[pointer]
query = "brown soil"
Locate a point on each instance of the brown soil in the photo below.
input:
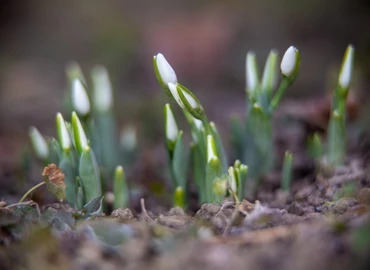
(322, 223)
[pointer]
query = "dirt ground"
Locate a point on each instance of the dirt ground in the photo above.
(322, 223)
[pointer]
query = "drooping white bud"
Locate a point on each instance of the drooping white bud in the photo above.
(345, 74)
(171, 128)
(165, 70)
(80, 98)
(289, 61)
(193, 103)
(63, 135)
(175, 94)
(103, 99)
(39, 143)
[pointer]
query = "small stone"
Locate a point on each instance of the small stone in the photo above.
(123, 214)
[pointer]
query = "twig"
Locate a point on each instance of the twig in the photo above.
(231, 220)
(30, 203)
(32, 189)
(143, 209)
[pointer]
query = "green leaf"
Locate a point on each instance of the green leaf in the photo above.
(336, 139)
(89, 175)
(179, 162)
(80, 196)
(287, 171)
(69, 168)
(237, 137)
(259, 147)
(198, 165)
(55, 151)
(219, 146)
(213, 172)
(93, 207)
(179, 198)
(120, 189)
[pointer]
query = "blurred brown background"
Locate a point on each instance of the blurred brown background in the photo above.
(205, 41)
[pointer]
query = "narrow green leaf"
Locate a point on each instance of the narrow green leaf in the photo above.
(336, 139)
(179, 198)
(67, 166)
(89, 175)
(120, 189)
(94, 206)
(179, 163)
(219, 146)
(287, 171)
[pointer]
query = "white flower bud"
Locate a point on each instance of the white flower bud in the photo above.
(232, 179)
(171, 128)
(79, 133)
(63, 135)
(165, 70)
(80, 99)
(175, 94)
(345, 74)
(289, 61)
(211, 149)
(39, 143)
(103, 99)
(193, 103)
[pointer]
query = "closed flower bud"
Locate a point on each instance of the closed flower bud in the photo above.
(103, 98)
(80, 99)
(63, 135)
(79, 134)
(290, 62)
(166, 72)
(345, 75)
(171, 128)
(39, 143)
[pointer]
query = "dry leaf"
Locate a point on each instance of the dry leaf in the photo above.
(54, 179)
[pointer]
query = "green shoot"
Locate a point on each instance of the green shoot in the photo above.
(287, 171)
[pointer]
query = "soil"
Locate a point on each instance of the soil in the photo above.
(323, 222)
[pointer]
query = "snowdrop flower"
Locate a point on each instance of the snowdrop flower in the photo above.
(103, 99)
(290, 61)
(39, 143)
(171, 128)
(63, 135)
(345, 74)
(80, 99)
(175, 94)
(166, 72)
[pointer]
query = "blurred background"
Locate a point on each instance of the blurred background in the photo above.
(205, 42)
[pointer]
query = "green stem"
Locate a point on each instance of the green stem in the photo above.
(279, 94)
(31, 190)
(207, 126)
